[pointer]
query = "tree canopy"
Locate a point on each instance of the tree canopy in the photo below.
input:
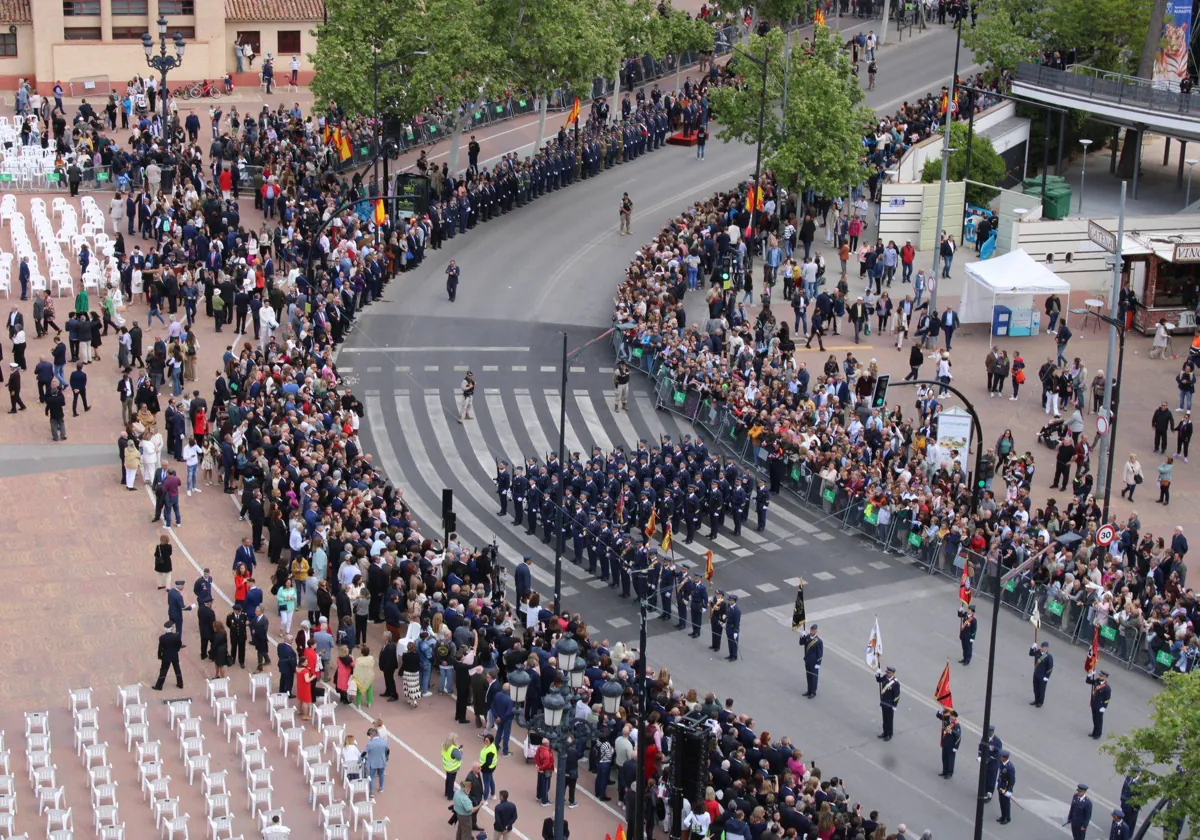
(1167, 752)
(987, 166)
(812, 141)
(1106, 33)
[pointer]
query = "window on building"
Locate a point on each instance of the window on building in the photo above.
(81, 33)
(82, 8)
(8, 45)
(128, 33)
(129, 7)
(177, 7)
(289, 42)
(188, 32)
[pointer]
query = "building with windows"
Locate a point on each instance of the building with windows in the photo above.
(93, 46)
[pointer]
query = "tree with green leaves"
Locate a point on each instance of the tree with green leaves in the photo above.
(636, 29)
(1167, 753)
(680, 33)
(363, 33)
(987, 166)
(775, 11)
(814, 140)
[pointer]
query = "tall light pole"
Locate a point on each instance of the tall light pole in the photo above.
(762, 115)
(1116, 332)
(376, 133)
(941, 214)
(1191, 162)
(163, 62)
(1083, 172)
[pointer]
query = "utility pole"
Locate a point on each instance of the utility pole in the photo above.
(946, 120)
(1106, 440)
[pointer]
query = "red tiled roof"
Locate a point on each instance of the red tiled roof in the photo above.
(15, 11)
(260, 9)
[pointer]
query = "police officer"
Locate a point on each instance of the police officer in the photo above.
(950, 740)
(733, 627)
(606, 557)
(699, 602)
(739, 506)
(716, 620)
(993, 746)
(683, 596)
(1079, 817)
(666, 585)
(714, 504)
(169, 644)
(1101, 694)
(814, 652)
(1006, 783)
(593, 541)
(239, 629)
(503, 485)
(520, 486)
(889, 699)
(1043, 667)
(1129, 809)
(967, 625)
(1120, 829)
(762, 500)
(692, 506)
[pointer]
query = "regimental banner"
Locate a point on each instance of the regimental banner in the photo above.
(1171, 60)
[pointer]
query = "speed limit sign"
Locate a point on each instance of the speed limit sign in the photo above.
(1105, 534)
(1102, 424)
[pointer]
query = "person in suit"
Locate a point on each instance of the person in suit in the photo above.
(285, 654)
(169, 644)
(1006, 783)
(814, 652)
(950, 741)
(967, 625)
(523, 578)
(1043, 667)
(176, 608)
(206, 617)
(389, 663)
(506, 816)
(503, 484)
(733, 627)
(259, 627)
(1079, 817)
(245, 555)
(950, 323)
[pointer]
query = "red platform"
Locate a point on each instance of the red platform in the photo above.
(681, 139)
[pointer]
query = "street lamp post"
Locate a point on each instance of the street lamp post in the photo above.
(948, 118)
(163, 62)
(1191, 162)
(556, 723)
(762, 115)
(376, 133)
(1083, 172)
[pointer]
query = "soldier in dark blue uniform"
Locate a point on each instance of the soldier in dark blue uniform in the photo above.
(762, 500)
(683, 596)
(716, 620)
(1079, 817)
(606, 546)
(503, 485)
(549, 514)
(593, 541)
(699, 602)
(627, 560)
(739, 506)
(666, 586)
(1129, 809)
(1101, 694)
(578, 527)
(733, 627)
(714, 505)
(967, 626)
(1119, 830)
(1043, 667)
(651, 577)
(1006, 783)
(814, 652)
(693, 506)
(992, 758)
(520, 486)
(889, 699)
(533, 501)
(951, 739)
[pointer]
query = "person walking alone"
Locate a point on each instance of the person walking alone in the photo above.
(626, 214)
(452, 278)
(468, 398)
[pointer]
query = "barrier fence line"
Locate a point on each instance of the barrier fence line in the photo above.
(894, 532)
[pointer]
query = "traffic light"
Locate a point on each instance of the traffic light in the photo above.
(879, 395)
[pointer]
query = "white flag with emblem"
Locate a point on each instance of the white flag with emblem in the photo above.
(875, 646)
(1035, 617)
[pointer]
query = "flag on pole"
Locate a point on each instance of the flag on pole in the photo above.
(1093, 656)
(621, 832)
(573, 116)
(380, 214)
(652, 524)
(942, 693)
(327, 134)
(344, 151)
(799, 619)
(819, 18)
(708, 566)
(666, 542)
(875, 646)
(621, 509)
(964, 585)
(1035, 617)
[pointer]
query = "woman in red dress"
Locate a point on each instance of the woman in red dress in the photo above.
(305, 677)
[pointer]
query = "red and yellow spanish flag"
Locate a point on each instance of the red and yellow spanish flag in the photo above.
(573, 116)
(666, 541)
(708, 566)
(327, 134)
(380, 213)
(751, 203)
(819, 18)
(942, 693)
(652, 524)
(344, 151)
(964, 586)
(1089, 664)
(620, 832)
(334, 136)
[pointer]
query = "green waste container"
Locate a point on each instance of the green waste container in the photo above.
(1058, 202)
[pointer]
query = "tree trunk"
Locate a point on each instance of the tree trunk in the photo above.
(614, 108)
(542, 111)
(1145, 71)
(456, 133)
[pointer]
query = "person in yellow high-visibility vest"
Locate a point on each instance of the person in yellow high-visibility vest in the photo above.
(487, 765)
(451, 761)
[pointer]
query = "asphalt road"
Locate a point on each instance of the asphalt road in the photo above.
(550, 268)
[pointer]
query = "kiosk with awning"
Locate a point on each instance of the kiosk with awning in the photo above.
(1001, 292)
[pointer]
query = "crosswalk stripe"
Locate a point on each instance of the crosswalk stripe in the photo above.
(494, 403)
(591, 419)
(487, 459)
(571, 439)
(751, 535)
(532, 425)
(629, 435)
(387, 456)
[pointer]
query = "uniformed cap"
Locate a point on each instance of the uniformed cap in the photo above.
(1117, 812)
(208, 571)
(654, 551)
(733, 598)
(991, 727)
(1104, 674)
(180, 582)
(527, 557)
(891, 670)
(1081, 787)
(1045, 644)
(812, 627)
(971, 608)
(1004, 753)
(696, 575)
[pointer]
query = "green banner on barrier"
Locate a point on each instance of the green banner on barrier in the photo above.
(679, 397)
(1011, 586)
(637, 352)
(829, 495)
(914, 539)
(795, 473)
(1164, 658)
(871, 515)
(1054, 607)
(1109, 633)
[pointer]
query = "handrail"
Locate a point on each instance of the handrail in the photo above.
(1089, 70)
(1138, 93)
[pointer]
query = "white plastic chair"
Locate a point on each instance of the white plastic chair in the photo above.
(175, 826)
(376, 829)
(191, 746)
(59, 819)
(37, 721)
(198, 763)
(362, 812)
(177, 709)
(8, 804)
(137, 733)
(35, 743)
(249, 741)
(259, 799)
(356, 788)
(112, 832)
(258, 681)
(147, 751)
(43, 777)
(223, 706)
(219, 827)
(81, 698)
(270, 819)
(217, 688)
(318, 791)
(105, 815)
(235, 723)
(149, 771)
(135, 713)
(188, 728)
(324, 715)
(49, 797)
(219, 803)
(334, 814)
(336, 734)
(90, 736)
(96, 754)
(8, 828)
(318, 772)
(87, 718)
(341, 831)
(215, 783)
(104, 794)
(253, 761)
(156, 789)
(288, 737)
(165, 809)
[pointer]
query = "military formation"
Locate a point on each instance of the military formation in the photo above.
(614, 504)
(483, 194)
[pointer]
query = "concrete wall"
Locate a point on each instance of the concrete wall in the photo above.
(916, 219)
(914, 159)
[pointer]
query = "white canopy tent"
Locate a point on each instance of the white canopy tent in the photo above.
(1016, 276)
